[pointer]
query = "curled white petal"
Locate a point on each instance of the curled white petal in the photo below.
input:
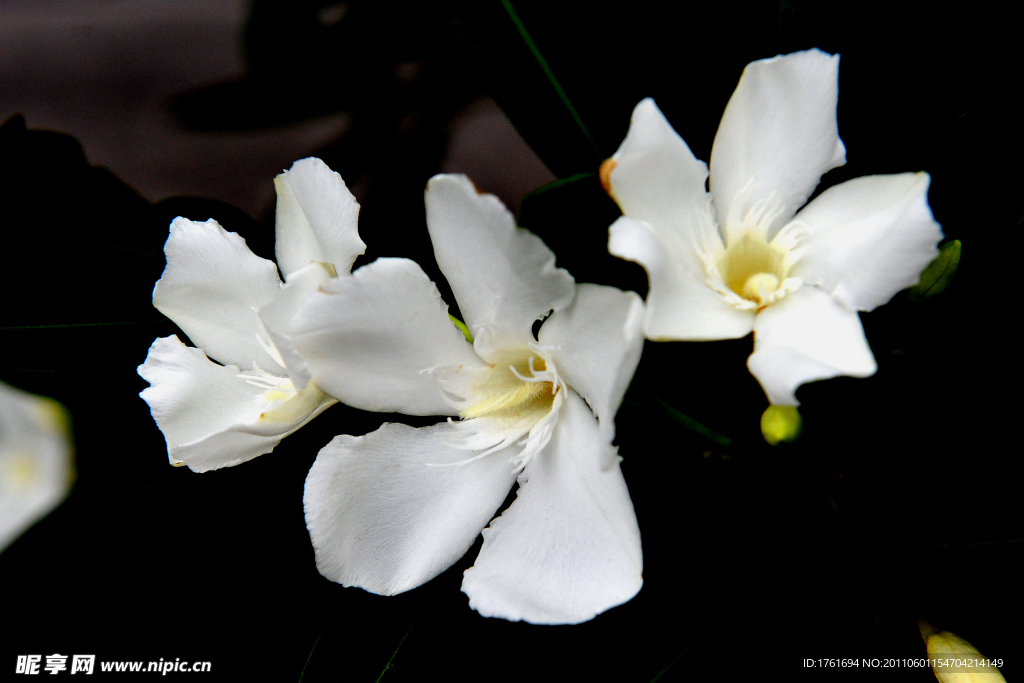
(777, 137)
(655, 178)
(384, 516)
(375, 339)
(868, 238)
(682, 304)
(805, 337)
(596, 344)
(215, 416)
(503, 277)
(277, 317)
(316, 218)
(569, 547)
(212, 287)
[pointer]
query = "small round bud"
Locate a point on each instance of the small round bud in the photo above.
(781, 423)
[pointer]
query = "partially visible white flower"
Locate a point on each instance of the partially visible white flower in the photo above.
(954, 660)
(225, 298)
(392, 509)
(748, 261)
(36, 470)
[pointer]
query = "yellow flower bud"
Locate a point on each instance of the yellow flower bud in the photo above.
(954, 660)
(781, 423)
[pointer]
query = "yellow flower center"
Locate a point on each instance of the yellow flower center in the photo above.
(511, 389)
(753, 269)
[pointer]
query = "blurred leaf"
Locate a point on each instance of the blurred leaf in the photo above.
(572, 216)
(315, 643)
(392, 658)
(544, 190)
(694, 426)
(503, 46)
(543, 64)
(939, 273)
(669, 665)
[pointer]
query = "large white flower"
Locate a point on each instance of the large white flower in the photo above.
(390, 510)
(225, 298)
(36, 471)
(797, 279)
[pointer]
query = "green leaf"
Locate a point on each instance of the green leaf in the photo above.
(939, 273)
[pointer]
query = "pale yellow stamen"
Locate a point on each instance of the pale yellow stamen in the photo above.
(759, 286)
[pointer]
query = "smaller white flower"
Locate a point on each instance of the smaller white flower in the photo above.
(36, 470)
(392, 509)
(225, 298)
(748, 260)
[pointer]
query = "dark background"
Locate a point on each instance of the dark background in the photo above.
(899, 502)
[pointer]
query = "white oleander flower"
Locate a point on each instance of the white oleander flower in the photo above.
(232, 305)
(392, 509)
(749, 261)
(36, 471)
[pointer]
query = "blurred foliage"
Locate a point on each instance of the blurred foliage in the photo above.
(939, 273)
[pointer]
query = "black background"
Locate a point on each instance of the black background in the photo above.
(899, 502)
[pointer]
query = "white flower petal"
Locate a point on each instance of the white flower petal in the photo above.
(390, 510)
(36, 469)
(504, 278)
(212, 287)
(681, 306)
(655, 178)
(569, 547)
(803, 337)
(277, 316)
(778, 136)
(596, 344)
(211, 417)
(316, 218)
(374, 339)
(868, 238)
